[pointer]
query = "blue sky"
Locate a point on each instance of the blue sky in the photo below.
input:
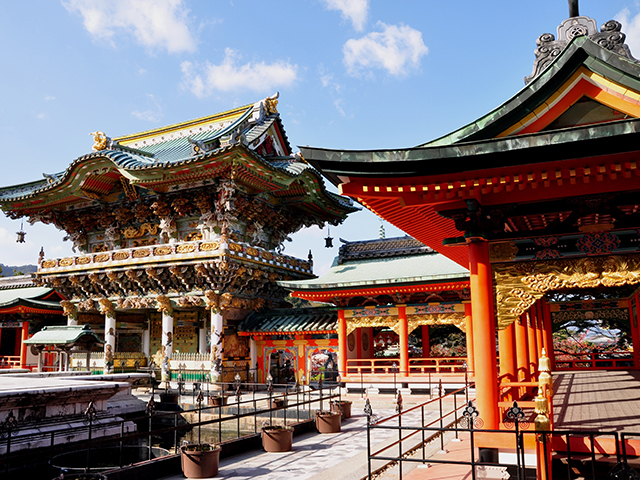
(353, 74)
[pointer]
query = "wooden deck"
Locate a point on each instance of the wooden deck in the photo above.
(597, 400)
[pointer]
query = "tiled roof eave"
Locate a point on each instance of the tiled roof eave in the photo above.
(306, 285)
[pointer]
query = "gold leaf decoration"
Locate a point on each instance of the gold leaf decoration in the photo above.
(162, 251)
(360, 322)
(83, 260)
(103, 257)
(209, 246)
(141, 253)
(120, 255)
(252, 251)
(519, 285)
(267, 255)
(234, 247)
(65, 262)
(186, 248)
(49, 264)
(502, 251)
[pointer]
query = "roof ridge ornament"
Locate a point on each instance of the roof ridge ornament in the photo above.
(548, 48)
(100, 141)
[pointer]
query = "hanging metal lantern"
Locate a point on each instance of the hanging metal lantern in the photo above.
(20, 234)
(328, 242)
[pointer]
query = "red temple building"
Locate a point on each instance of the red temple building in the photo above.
(539, 199)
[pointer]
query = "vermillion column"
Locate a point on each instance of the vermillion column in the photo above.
(508, 366)
(23, 347)
(548, 330)
(484, 333)
(469, 336)
(342, 344)
(522, 356)
(539, 329)
(403, 333)
(531, 336)
(426, 349)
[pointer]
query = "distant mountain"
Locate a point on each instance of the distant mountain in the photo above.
(10, 270)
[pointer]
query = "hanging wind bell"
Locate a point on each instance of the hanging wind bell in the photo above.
(21, 234)
(328, 242)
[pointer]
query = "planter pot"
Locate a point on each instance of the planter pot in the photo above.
(169, 397)
(277, 402)
(277, 439)
(328, 422)
(197, 464)
(218, 401)
(345, 405)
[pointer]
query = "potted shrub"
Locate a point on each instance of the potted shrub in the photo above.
(277, 438)
(277, 401)
(328, 422)
(343, 406)
(200, 460)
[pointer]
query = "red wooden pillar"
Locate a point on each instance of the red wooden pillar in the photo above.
(342, 344)
(484, 333)
(23, 347)
(471, 362)
(548, 324)
(508, 365)
(531, 337)
(539, 329)
(426, 350)
(522, 355)
(403, 333)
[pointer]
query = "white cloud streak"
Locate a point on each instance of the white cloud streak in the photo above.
(153, 114)
(396, 49)
(157, 25)
(204, 80)
(631, 28)
(354, 10)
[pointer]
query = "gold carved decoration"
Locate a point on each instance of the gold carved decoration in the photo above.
(106, 307)
(135, 232)
(211, 299)
(252, 251)
(502, 251)
(189, 301)
(234, 247)
(186, 248)
(270, 104)
(141, 253)
(101, 247)
(49, 264)
(120, 255)
(162, 251)
(458, 319)
(69, 309)
(361, 322)
(86, 305)
(267, 255)
(164, 304)
(192, 237)
(209, 246)
(65, 262)
(103, 257)
(99, 141)
(83, 260)
(129, 190)
(519, 285)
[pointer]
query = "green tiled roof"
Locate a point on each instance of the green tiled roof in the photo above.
(64, 335)
(405, 260)
(319, 319)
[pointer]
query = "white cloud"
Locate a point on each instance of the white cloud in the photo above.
(153, 114)
(40, 116)
(354, 10)
(396, 49)
(154, 24)
(203, 80)
(631, 28)
(49, 98)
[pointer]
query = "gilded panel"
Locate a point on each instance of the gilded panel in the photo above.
(519, 285)
(353, 323)
(209, 246)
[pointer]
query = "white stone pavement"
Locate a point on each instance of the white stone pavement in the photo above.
(314, 456)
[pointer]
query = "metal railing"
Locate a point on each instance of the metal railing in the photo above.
(242, 414)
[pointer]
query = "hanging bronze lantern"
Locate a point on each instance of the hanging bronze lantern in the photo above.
(328, 242)
(20, 234)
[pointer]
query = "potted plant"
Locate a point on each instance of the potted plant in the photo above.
(277, 401)
(328, 422)
(277, 438)
(343, 406)
(200, 460)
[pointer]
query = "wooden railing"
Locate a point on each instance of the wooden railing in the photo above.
(595, 361)
(417, 366)
(9, 361)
